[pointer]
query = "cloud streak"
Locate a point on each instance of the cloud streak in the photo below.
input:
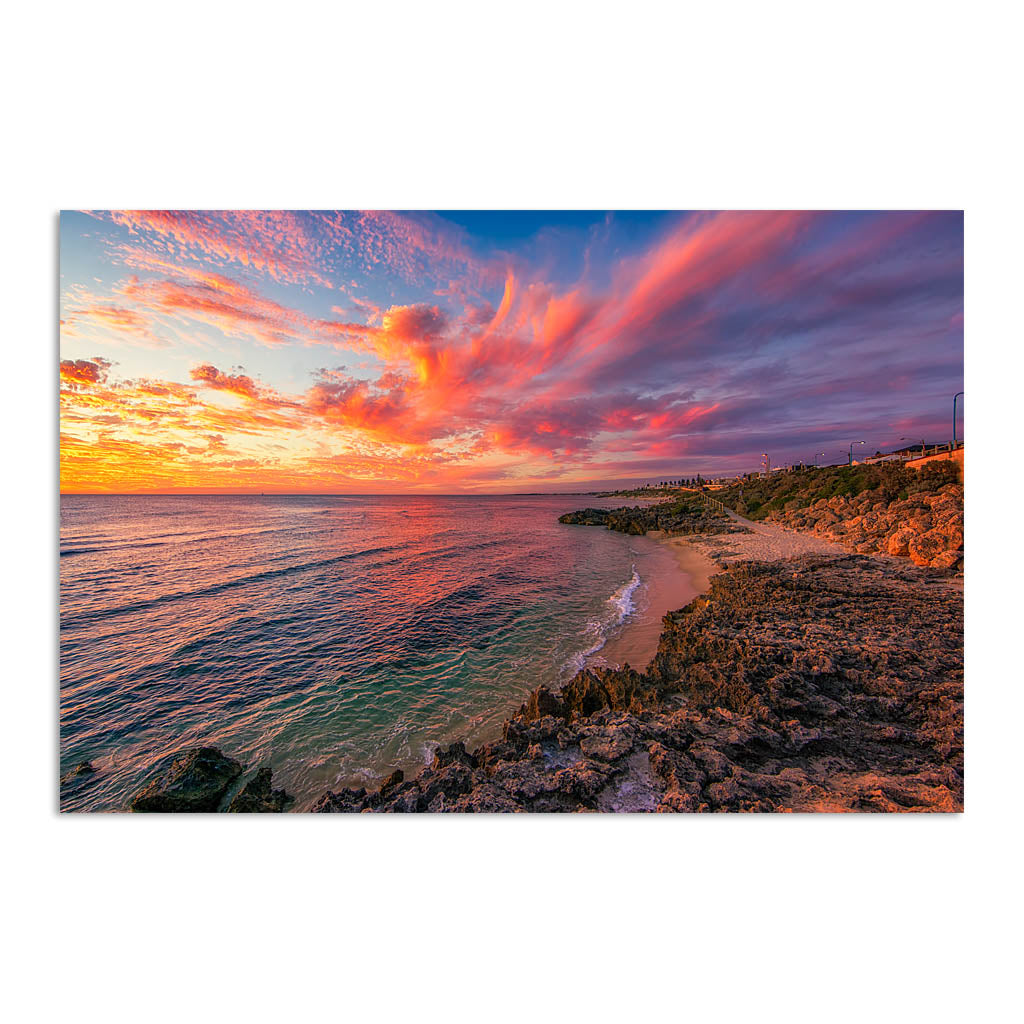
(720, 335)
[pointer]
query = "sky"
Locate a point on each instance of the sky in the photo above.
(490, 352)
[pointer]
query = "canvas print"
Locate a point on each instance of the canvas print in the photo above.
(504, 511)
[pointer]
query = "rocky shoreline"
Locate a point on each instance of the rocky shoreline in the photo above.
(816, 684)
(824, 682)
(884, 509)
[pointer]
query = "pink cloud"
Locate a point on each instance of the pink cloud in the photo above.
(277, 242)
(587, 374)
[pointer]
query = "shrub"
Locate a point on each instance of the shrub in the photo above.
(893, 481)
(933, 475)
(885, 481)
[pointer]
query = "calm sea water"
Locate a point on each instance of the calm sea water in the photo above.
(334, 638)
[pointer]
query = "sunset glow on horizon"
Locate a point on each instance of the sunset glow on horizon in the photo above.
(339, 352)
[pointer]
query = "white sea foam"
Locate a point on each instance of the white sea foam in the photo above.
(596, 629)
(621, 606)
(622, 599)
(313, 618)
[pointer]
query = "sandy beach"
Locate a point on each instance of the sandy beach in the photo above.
(673, 577)
(763, 543)
(673, 583)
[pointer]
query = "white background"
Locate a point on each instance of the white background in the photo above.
(879, 105)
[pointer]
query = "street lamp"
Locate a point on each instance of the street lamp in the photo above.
(816, 454)
(959, 394)
(767, 463)
(852, 443)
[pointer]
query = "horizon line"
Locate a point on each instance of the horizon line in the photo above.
(322, 494)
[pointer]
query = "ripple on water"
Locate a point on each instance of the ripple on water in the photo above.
(334, 638)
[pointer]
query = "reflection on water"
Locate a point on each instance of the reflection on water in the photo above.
(335, 638)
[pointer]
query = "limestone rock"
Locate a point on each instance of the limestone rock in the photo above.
(926, 547)
(946, 560)
(898, 543)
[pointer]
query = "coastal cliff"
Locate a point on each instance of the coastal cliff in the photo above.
(927, 528)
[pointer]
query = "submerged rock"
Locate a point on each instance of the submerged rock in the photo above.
(195, 780)
(73, 781)
(257, 796)
(78, 773)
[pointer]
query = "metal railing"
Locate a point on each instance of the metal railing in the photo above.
(910, 456)
(935, 449)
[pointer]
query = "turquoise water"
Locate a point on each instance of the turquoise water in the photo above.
(334, 638)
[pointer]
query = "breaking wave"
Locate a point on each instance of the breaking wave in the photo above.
(619, 608)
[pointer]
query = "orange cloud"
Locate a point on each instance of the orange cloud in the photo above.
(211, 377)
(84, 371)
(660, 351)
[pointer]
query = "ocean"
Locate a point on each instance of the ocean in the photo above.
(332, 638)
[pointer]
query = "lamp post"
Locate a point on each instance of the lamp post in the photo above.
(767, 463)
(959, 394)
(816, 454)
(852, 443)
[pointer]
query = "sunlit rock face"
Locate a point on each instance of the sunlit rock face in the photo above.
(927, 527)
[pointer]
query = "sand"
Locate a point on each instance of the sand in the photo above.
(697, 558)
(764, 543)
(665, 590)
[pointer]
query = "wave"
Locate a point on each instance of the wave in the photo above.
(336, 641)
(621, 606)
(114, 548)
(217, 588)
(177, 540)
(578, 661)
(622, 599)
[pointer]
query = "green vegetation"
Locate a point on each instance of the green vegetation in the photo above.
(670, 488)
(758, 497)
(641, 492)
